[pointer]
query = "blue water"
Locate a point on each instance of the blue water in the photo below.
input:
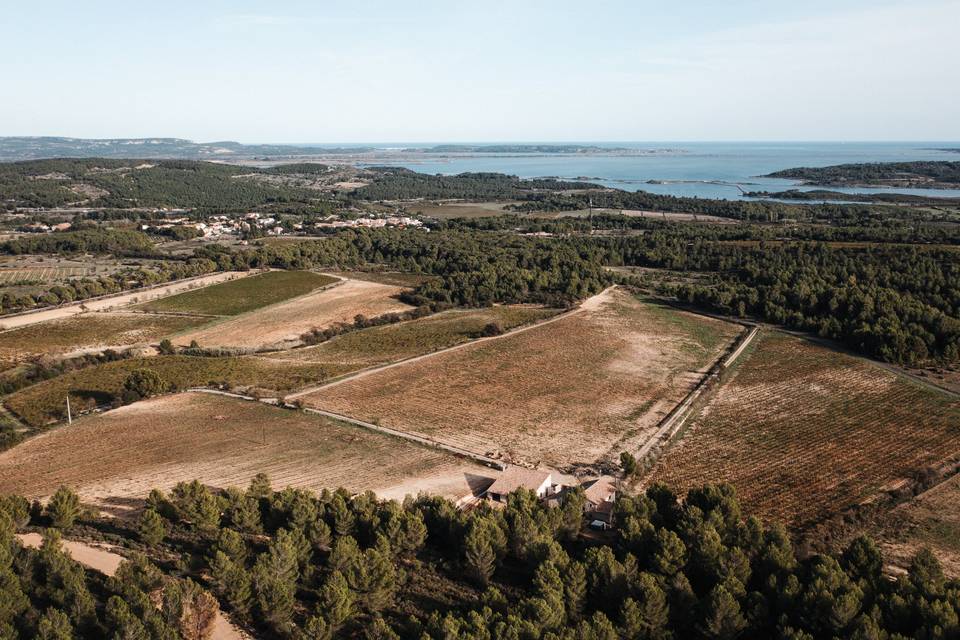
(689, 169)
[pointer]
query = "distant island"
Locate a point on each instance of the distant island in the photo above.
(918, 174)
(821, 195)
(521, 148)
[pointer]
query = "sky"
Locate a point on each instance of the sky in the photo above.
(519, 70)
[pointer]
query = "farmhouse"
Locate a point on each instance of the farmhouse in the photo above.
(537, 480)
(600, 494)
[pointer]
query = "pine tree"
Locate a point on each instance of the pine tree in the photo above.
(336, 600)
(720, 617)
(275, 576)
(481, 561)
(122, 623)
(575, 590)
(152, 528)
(63, 508)
(378, 629)
(55, 625)
(260, 487)
(231, 544)
(316, 628)
(549, 587)
(232, 581)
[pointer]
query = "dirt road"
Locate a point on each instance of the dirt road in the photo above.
(120, 300)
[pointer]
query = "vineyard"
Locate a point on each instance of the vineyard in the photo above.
(45, 401)
(389, 343)
(287, 321)
(241, 295)
(803, 432)
(10, 277)
(222, 442)
(89, 331)
(574, 390)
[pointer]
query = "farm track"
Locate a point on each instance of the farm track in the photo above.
(674, 421)
(371, 370)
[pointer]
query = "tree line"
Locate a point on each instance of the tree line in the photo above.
(294, 564)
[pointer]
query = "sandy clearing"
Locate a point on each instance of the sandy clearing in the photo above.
(574, 389)
(122, 454)
(100, 558)
(120, 300)
(285, 322)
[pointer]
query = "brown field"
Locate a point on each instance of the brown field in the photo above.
(222, 442)
(451, 210)
(803, 432)
(287, 321)
(573, 390)
(932, 520)
(90, 331)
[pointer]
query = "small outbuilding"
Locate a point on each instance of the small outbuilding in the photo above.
(600, 494)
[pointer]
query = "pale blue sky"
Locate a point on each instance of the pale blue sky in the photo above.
(369, 71)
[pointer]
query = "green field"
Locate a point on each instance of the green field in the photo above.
(389, 343)
(45, 402)
(242, 295)
(90, 330)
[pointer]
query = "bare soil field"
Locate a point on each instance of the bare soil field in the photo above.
(240, 296)
(568, 391)
(932, 520)
(89, 331)
(286, 322)
(803, 432)
(221, 441)
(393, 342)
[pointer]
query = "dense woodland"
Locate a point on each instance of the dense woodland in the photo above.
(292, 564)
(899, 303)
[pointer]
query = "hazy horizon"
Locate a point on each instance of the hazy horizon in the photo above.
(856, 70)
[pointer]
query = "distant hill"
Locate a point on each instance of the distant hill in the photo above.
(36, 148)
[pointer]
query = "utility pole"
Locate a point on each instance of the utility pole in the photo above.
(69, 415)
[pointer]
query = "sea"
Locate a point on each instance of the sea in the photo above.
(723, 170)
